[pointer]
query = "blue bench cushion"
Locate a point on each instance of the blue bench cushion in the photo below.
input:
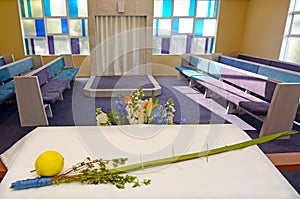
(6, 91)
(236, 96)
(50, 98)
(188, 71)
(54, 86)
(67, 73)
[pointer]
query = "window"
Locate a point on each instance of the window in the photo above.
(184, 26)
(53, 27)
(290, 48)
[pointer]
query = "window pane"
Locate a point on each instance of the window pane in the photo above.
(296, 25)
(156, 46)
(53, 26)
(183, 25)
(184, 7)
(209, 27)
(56, 8)
(293, 49)
(198, 45)
(36, 7)
(178, 44)
(297, 6)
(207, 8)
(29, 27)
(57, 26)
(75, 27)
(164, 26)
(84, 46)
(82, 8)
(157, 12)
(41, 46)
(61, 45)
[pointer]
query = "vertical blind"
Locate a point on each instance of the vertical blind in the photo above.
(120, 45)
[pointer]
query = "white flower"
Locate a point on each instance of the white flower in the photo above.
(102, 118)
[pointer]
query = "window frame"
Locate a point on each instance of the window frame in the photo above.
(287, 32)
(44, 18)
(192, 34)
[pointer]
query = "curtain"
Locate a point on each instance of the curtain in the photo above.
(120, 45)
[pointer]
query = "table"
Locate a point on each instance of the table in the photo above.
(245, 173)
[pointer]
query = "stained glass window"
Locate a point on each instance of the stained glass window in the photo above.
(53, 27)
(184, 26)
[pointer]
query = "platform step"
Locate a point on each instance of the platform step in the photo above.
(285, 161)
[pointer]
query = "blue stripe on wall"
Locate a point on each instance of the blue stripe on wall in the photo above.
(208, 8)
(83, 27)
(40, 27)
(167, 8)
(175, 24)
(199, 27)
(192, 8)
(29, 8)
(47, 8)
(64, 26)
(212, 44)
(73, 8)
(157, 26)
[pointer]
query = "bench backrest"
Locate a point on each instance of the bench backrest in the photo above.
(16, 68)
(43, 75)
(248, 66)
(56, 65)
(249, 81)
(278, 74)
(270, 62)
(2, 62)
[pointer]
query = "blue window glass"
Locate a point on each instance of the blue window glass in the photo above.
(64, 26)
(40, 27)
(73, 8)
(199, 27)
(192, 8)
(175, 24)
(167, 8)
(47, 8)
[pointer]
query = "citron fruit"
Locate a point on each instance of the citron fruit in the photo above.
(49, 163)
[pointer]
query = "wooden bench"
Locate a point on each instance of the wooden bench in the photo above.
(39, 89)
(285, 161)
(258, 95)
(17, 68)
(6, 59)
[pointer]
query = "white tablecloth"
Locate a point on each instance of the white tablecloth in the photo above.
(245, 173)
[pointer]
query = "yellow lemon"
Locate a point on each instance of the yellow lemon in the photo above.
(49, 163)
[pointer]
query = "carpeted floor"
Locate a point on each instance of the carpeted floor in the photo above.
(76, 109)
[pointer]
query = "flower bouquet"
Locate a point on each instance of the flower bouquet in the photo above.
(134, 109)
